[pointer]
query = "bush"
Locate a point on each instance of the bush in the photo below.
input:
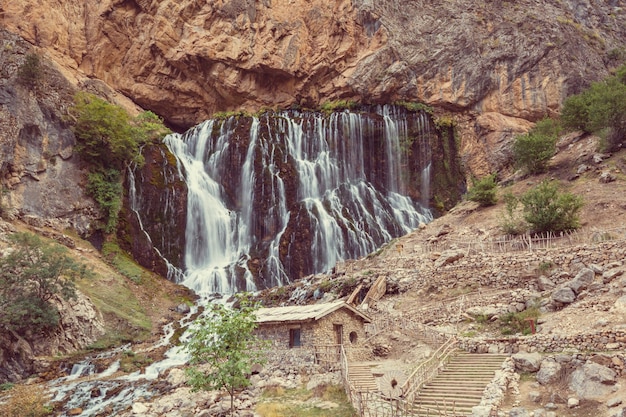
(109, 140)
(106, 188)
(548, 210)
(533, 150)
(512, 223)
(30, 73)
(30, 276)
(599, 108)
(483, 191)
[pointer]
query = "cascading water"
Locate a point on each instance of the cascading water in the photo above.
(280, 196)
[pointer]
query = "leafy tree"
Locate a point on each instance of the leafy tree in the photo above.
(104, 132)
(225, 340)
(547, 209)
(483, 191)
(533, 150)
(30, 276)
(512, 223)
(601, 109)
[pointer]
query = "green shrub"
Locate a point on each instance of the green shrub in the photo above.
(106, 188)
(602, 107)
(109, 140)
(30, 72)
(546, 209)
(533, 150)
(483, 191)
(512, 222)
(337, 105)
(513, 323)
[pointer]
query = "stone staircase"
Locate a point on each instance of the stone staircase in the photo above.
(361, 377)
(459, 387)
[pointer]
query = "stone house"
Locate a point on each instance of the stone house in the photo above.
(313, 326)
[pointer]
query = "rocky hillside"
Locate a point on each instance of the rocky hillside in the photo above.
(494, 64)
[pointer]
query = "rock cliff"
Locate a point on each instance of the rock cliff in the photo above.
(188, 59)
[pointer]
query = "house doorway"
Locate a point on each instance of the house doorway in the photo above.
(338, 328)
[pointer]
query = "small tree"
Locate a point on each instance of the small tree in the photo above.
(601, 109)
(30, 73)
(483, 191)
(30, 276)
(547, 209)
(533, 150)
(224, 340)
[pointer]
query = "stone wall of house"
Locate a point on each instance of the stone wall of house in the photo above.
(278, 334)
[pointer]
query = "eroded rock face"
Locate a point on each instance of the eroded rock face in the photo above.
(187, 59)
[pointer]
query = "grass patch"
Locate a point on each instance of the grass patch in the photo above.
(278, 402)
(123, 262)
(514, 323)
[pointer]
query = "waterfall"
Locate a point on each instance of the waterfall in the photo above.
(286, 194)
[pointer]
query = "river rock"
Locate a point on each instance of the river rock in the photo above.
(564, 295)
(527, 362)
(592, 381)
(549, 372)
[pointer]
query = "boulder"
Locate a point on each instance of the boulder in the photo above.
(592, 381)
(582, 280)
(549, 372)
(449, 256)
(613, 402)
(564, 295)
(544, 283)
(527, 362)
(607, 177)
(573, 402)
(611, 274)
(620, 305)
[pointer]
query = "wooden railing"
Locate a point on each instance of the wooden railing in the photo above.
(428, 369)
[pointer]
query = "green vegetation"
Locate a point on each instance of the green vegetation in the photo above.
(337, 105)
(483, 191)
(30, 73)
(131, 362)
(123, 262)
(533, 150)
(224, 339)
(110, 140)
(278, 402)
(413, 106)
(32, 275)
(513, 323)
(547, 209)
(600, 110)
(26, 401)
(224, 115)
(543, 208)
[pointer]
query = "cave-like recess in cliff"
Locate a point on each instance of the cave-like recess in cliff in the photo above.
(251, 202)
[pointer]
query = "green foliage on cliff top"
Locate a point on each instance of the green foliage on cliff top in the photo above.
(601, 109)
(109, 139)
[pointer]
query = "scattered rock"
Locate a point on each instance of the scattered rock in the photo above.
(582, 280)
(449, 256)
(519, 412)
(564, 295)
(607, 177)
(534, 396)
(613, 402)
(549, 372)
(573, 402)
(527, 362)
(592, 381)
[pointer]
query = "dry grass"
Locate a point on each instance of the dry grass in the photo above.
(320, 402)
(26, 401)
